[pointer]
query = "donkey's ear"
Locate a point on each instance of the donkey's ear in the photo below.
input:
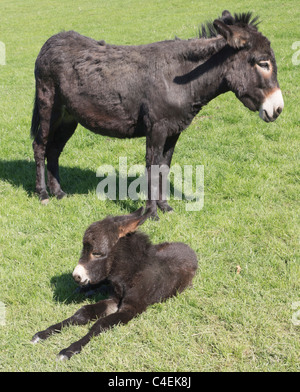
(227, 18)
(235, 36)
(130, 224)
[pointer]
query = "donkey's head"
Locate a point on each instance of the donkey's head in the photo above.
(251, 68)
(98, 242)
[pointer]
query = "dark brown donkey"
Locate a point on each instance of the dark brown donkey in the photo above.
(152, 90)
(140, 273)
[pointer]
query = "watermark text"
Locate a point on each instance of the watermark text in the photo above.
(2, 314)
(296, 314)
(2, 54)
(296, 55)
(154, 183)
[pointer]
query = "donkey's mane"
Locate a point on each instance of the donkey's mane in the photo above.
(208, 30)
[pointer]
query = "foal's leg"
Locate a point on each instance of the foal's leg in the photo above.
(62, 134)
(45, 100)
(81, 317)
(167, 158)
(123, 316)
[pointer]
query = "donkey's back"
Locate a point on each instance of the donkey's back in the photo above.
(109, 89)
(89, 79)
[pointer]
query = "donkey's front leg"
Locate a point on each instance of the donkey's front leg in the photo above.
(121, 317)
(81, 317)
(155, 142)
(166, 163)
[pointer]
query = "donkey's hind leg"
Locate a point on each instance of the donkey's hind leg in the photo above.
(43, 111)
(61, 134)
(39, 156)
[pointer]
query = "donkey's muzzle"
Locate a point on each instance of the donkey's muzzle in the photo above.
(272, 106)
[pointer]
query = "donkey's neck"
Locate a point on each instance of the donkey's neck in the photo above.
(207, 77)
(201, 49)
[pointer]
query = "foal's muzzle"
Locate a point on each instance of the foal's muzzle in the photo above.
(272, 106)
(80, 275)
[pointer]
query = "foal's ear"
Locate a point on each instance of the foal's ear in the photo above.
(235, 36)
(131, 222)
(134, 214)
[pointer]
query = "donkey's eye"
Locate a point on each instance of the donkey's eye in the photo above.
(264, 65)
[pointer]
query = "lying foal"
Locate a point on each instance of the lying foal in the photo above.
(141, 274)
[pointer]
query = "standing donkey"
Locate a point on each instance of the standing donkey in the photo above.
(152, 90)
(140, 273)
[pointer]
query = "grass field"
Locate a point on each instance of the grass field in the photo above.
(227, 321)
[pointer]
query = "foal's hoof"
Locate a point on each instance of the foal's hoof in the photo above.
(35, 339)
(67, 353)
(62, 358)
(44, 202)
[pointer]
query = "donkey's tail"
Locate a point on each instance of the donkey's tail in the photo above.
(35, 122)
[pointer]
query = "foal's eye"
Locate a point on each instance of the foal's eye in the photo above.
(264, 65)
(98, 254)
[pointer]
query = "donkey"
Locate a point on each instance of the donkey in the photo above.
(140, 273)
(151, 91)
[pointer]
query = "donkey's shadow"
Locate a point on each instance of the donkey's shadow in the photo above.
(21, 173)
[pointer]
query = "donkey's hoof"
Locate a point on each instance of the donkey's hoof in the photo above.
(154, 217)
(60, 195)
(164, 207)
(43, 196)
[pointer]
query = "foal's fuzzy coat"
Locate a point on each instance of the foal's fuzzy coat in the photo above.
(140, 273)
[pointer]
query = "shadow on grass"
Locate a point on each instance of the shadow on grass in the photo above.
(22, 173)
(65, 290)
(73, 180)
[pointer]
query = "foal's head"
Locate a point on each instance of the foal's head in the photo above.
(98, 242)
(251, 71)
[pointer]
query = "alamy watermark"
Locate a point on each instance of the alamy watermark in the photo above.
(296, 314)
(132, 183)
(2, 314)
(2, 54)
(296, 55)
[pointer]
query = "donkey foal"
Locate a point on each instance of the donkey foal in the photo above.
(140, 273)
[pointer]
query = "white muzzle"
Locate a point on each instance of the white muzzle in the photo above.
(272, 106)
(80, 275)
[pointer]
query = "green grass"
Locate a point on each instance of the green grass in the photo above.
(227, 321)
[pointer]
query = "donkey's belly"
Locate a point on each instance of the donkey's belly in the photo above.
(107, 122)
(120, 132)
(113, 127)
